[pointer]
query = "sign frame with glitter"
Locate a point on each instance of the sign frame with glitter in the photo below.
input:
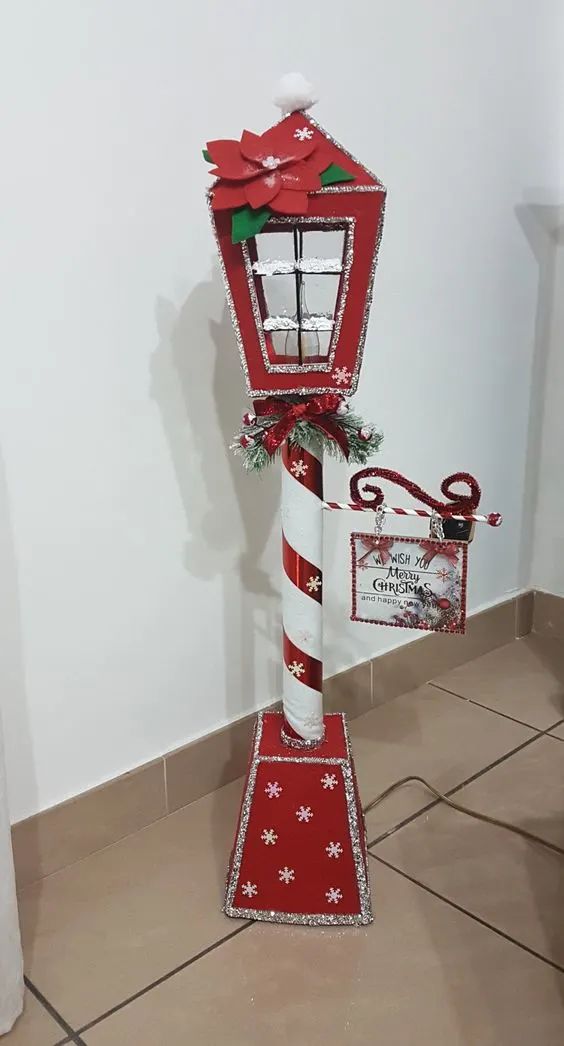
(409, 582)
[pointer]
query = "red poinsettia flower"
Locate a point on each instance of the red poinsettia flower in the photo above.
(275, 169)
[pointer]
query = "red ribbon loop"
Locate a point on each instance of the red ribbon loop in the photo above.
(309, 410)
(381, 545)
(439, 548)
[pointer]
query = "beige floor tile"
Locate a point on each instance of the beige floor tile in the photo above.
(35, 1027)
(524, 679)
(558, 731)
(422, 975)
(430, 733)
(107, 926)
(513, 884)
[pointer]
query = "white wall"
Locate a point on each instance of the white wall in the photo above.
(139, 566)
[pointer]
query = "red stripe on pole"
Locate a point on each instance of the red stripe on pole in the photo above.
(302, 666)
(304, 575)
(303, 467)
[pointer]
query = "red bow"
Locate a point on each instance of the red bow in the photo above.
(381, 545)
(308, 410)
(439, 548)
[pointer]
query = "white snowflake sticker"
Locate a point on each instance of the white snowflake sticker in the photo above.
(305, 813)
(342, 376)
(269, 837)
(334, 895)
(286, 875)
(299, 468)
(334, 850)
(303, 134)
(273, 790)
(296, 668)
(313, 584)
(329, 781)
(249, 889)
(314, 721)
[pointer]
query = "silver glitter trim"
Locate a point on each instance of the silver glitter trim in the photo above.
(368, 304)
(301, 742)
(313, 322)
(364, 917)
(347, 224)
(272, 267)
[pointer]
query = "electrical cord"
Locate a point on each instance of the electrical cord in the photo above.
(463, 810)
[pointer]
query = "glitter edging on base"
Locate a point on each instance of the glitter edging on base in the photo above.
(357, 840)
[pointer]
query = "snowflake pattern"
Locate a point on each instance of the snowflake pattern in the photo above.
(334, 895)
(334, 850)
(269, 837)
(329, 781)
(313, 584)
(249, 889)
(442, 574)
(299, 468)
(273, 790)
(303, 134)
(342, 375)
(296, 668)
(313, 721)
(286, 875)
(305, 813)
(305, 637)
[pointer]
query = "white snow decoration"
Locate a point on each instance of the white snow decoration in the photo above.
(273, 790)
(334, 895)
(286, 875)
(329, 781)
(294, 92)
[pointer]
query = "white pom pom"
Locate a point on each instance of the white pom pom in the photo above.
(294, 92)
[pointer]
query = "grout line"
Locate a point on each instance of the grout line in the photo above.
(72, 1035)
(478, 704)
(456, 788)
(165, 786)
(471, 915)
(166, 976)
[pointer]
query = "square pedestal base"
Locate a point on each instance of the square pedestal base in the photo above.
(300, 848)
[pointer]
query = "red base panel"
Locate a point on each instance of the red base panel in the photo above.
(300, 848)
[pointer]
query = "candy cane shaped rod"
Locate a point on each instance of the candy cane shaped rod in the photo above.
(493, 518)
(302, 580)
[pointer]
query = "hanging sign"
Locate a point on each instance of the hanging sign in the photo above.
(409, 582)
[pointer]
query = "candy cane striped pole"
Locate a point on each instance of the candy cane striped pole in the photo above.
(494, 519)
(302, 587)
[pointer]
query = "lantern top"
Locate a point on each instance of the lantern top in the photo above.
(278, 171)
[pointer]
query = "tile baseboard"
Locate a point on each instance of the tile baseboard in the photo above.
(64, 834)
(548, 615)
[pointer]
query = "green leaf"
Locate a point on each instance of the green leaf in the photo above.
(206, 156)
(333, 174)
(246, 223)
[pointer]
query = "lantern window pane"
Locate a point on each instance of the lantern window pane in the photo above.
(297, 273)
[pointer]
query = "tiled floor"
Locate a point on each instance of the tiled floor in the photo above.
(467, 948)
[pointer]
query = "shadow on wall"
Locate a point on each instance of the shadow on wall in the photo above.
(198, 385)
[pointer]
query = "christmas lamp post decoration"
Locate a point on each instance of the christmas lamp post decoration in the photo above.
(298, 222)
